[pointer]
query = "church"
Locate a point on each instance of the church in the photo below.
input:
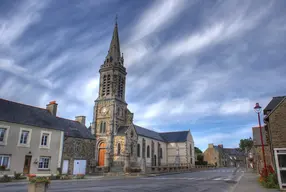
(36, 140)
(117, 137)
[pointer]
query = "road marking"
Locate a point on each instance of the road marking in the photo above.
(189, 178)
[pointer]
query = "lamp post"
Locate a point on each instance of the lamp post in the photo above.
(257, 109)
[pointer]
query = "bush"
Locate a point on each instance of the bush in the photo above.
(5, 178)
(2, 168)
(135, 170)
(268, 177)
(44, 180)
(65, 177)
(17, 176)
(79, 176)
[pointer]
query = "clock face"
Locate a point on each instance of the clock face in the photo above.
(103, 110)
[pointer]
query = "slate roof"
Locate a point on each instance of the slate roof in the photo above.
(233, 151)
(272, 104)
(148, 133)
(122, 130)
(180, 136)
(29, 115)
(169, 137)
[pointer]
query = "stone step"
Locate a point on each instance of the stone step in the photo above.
(114, 174)
(116, 169)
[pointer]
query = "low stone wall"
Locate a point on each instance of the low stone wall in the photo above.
(170, 168)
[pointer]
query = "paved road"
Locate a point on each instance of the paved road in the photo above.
(217, 180)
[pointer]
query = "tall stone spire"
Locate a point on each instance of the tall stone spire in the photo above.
(114, 54)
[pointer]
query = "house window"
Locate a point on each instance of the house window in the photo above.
(2, 134)
(118, 149)
(5, 161)
(25, 137)
(148, 151)
(44, 162)
(138, 150)
(44, 141)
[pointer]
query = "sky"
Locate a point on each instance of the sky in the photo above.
(195, 65)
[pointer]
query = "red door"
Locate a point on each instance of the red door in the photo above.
(101, 154)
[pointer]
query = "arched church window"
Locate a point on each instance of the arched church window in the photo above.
(118, 149)
(101, 127)
(117, 111)
(121, 87)
(148, 151)
(108, 84)
(118, 85)
(190, 149)
(104, 85)
(138, 150)
(131, 149)
(161, 153)
(104, 127)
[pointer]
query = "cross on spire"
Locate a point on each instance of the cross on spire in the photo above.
(116, 18)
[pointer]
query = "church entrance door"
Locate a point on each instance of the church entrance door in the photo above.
(101, 154)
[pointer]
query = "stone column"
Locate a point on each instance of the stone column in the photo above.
(143, 160)
(126, 167)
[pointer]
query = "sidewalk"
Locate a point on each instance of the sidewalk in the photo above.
(249, 182)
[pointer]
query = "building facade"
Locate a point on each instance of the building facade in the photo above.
(34, 140)
(117, 136)
(224, 157)
(26, 144)
(275, 127)
(257, 149)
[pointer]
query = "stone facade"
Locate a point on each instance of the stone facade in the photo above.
(258, 157)
(277, 126)
(211, 155)
(79, 149)
(257, 149)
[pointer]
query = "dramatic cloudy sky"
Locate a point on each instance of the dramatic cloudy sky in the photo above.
(198, 65)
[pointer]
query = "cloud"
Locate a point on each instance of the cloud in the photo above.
(163, 11)
(9, 66)
(230, 135)
(14, 25)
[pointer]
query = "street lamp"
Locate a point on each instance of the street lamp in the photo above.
(257, 109)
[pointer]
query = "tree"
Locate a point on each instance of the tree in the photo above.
(197, 150)
(246, 144)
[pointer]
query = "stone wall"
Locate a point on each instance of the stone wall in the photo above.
(79, 149)
(118, 158)
(148, 143)
(258, 157)
(277, 126)
(211, 155)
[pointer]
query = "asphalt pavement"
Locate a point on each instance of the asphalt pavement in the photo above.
(216, 180)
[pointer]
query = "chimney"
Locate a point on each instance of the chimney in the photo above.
(220, 145)
(80, 119)
(211, 145)
(52, 108)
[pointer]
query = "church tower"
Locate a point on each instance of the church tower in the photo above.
(110, 109)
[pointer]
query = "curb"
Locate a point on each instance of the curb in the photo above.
(52, 181)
